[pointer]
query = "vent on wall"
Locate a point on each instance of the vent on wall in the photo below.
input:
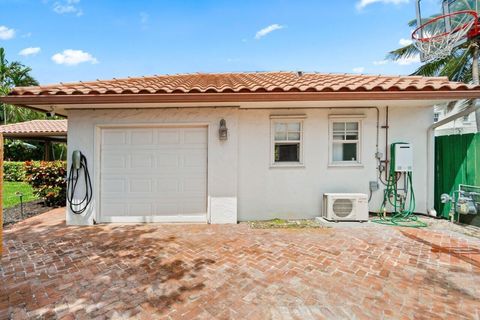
(345, 207)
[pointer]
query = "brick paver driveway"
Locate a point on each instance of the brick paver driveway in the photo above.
(210, 271)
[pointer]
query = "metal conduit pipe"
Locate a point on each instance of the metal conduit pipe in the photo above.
(431, 153)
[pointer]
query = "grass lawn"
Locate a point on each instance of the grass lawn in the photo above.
(10, 199)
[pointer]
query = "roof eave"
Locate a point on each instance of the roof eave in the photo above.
(27, 100)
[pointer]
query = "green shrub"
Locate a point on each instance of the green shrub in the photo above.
(16, 150)
(49, 181)
(14, 171)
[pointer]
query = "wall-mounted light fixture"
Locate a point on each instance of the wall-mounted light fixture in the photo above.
(223, 131)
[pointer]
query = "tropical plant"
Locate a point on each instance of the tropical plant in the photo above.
(14, 171)
(15, 74)
(48, 180)
(461, 65)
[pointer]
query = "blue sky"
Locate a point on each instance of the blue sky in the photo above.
(71, 40)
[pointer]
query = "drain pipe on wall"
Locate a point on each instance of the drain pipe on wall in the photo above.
(431, 154)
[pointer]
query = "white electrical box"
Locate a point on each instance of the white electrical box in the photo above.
(403, 157)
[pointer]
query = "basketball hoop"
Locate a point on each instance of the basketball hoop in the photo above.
(437, 38)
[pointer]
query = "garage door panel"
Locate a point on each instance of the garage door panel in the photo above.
(112, 208)
(167, 160)
(140, 209)
(141, 137)
(114, 161)
(166, 209)
(114, 137)
(140, 185)
(167, 137)
(143, 161)
(154, 172)
(194, 137)
(114, 185)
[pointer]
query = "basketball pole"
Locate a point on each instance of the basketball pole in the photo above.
(476, 78)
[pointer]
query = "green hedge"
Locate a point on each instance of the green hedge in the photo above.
(14, 171)
(49, 181)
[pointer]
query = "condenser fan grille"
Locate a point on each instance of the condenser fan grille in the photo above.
(342, 208)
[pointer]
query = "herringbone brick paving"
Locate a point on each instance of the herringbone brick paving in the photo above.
(51, 271)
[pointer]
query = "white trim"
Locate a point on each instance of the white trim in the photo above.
(280, 165)
(301, 162)
(152, 125)
(149, 219)
(288, 116)
(345, 118)
(97, 180)
(346, 165)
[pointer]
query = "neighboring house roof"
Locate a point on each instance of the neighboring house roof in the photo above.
(239, 87)
(35, 128)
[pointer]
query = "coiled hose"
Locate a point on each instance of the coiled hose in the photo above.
(401, 216)
(79, 206)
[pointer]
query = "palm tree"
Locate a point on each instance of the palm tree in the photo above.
(15, 74)
(461, 65)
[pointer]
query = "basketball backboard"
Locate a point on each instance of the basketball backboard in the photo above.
(450, 26)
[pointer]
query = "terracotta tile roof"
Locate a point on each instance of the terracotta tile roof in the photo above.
(54, 127)
(258, 82)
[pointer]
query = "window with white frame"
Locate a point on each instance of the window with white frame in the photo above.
(345, 141)
(287, 139)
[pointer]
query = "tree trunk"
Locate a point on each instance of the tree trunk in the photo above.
(476, 79)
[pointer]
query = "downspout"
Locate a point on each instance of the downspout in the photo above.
(431, 153)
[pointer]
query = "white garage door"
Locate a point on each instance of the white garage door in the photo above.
(153, 174)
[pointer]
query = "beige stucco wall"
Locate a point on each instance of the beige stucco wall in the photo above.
(241, 181)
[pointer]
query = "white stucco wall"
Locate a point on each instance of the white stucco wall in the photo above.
(83, 135)
(268, 192)
(241, 181)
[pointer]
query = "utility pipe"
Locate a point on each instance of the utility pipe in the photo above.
(431, 153)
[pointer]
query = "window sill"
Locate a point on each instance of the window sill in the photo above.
(345, 165)
(286, 165)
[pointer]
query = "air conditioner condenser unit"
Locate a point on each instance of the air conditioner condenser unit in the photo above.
(345, 207)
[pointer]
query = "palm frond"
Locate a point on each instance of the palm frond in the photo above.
(431, 69)
(15, 74)
(454, 67)
(403, 53)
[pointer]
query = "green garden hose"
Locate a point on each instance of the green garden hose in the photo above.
(401, 216)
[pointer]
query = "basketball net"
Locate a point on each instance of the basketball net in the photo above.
(437, 38)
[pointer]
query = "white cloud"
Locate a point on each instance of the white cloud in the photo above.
(408, 61)
(363, 3)
(405, 42)
(380, 62)
(263, 32)
(31, 51)
(67, 6)
(71, 57)
(6, 33)
(358, 69)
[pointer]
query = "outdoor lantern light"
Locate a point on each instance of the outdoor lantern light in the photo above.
(223, 131)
